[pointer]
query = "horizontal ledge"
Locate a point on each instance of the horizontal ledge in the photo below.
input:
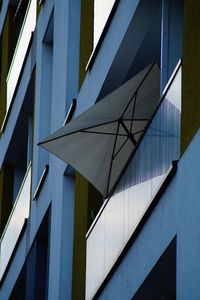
(41, 182)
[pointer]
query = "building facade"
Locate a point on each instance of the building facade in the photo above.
(61, 236)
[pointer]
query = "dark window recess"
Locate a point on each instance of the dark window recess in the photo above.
(95, 201)
(37, 263)
(161, 281)
(19, 15)
(32, 282)
(19, 291)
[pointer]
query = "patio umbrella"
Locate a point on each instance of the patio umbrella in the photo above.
(99, 142)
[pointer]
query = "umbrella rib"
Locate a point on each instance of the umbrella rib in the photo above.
(139, 131)
(133, 112)
(76, 131)
(58, 137)
(104, 133)
(146, 75)
(111, 163)
(128, 104)
(120, 148)
(130, 135)
(136, 119)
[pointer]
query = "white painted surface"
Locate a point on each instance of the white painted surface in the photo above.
(102, 9)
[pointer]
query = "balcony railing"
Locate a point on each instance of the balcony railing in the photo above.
(14, 226)
(147, 170)
(21, 50)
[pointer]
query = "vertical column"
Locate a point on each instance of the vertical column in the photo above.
(65, 78)
(43, 98)
(80, 230)
(30, 139)
(164, 43)
(87, 199)
(87, 203)
(67, 236)
(82, 185)
(190, 121)
(172, 31)
(86, 37)
(45, 103)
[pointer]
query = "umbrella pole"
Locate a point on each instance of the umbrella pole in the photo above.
(111, 163)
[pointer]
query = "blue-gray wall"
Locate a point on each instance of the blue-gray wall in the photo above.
(57, 75)
(54, 55)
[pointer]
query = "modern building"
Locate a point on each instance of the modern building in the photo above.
(128, 228)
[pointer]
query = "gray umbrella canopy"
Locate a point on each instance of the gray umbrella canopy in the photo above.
(99, 142)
